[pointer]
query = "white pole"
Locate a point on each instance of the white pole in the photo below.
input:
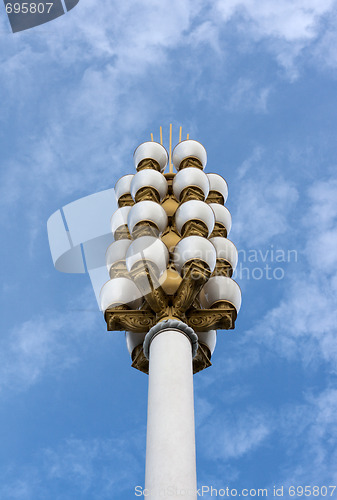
(170, 447)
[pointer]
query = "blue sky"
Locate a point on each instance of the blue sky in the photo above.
(255, 82)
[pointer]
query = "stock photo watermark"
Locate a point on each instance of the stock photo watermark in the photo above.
(226, 491)
(24, 15)
(269, 264)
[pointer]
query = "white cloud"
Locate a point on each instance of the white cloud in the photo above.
(111, 57)
(303, 435)
(289, 20)
(83, 462)
(247, 164)
(323, 209)
(264, 204)
(18, 489)
(42, 345)
(227, 436)
(309, 432)
(245, 95)
(87, 124)
(304, 322)
(287, 27)
(206, 33)
(101, 468)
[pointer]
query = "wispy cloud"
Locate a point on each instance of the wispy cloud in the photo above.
(246, 95)
(77, 468)
(287, 28)
(232, 436)
(250, 162)
(107, 53)
(304, 322)
(309, 432)
(264, 203)
(291, 21)
(44, 344)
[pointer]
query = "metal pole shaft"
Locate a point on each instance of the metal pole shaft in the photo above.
(170, 447)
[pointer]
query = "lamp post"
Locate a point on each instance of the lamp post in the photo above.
(170, 289)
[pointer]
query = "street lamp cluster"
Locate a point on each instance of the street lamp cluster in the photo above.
(170, 289)
(171, 258)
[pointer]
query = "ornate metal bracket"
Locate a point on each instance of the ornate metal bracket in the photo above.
(200, 320)
(201, 361)
(194, 279)
(137, 321)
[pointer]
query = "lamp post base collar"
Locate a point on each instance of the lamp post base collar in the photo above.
(171, 324)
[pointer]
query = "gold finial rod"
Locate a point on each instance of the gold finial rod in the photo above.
(151, 137)
(180, 130)
(188, 136)
(170, 155)
(161, 135)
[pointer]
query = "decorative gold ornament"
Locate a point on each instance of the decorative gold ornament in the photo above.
(215, 197)
(136, 321)
(145, 228)
(170, 205)
(126, 200)
(191, 162)
(194, 228)
(147, 193)
(144, 274)
(118, 270)
(148, 163)
(171, 238)
(170, 281)
(192, 193)
(223, 268)
(122, 233)
(201, 361)
(219, 230)
(212, 319)
(195, 275)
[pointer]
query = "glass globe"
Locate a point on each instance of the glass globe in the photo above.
(189, 149)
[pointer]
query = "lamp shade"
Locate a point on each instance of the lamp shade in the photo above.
(208, 338)
(149, 178)
(220, 289)
(133, 340)
(192, 248)
(218, 185)
(189, 149)
(148, 249)
(190, 177)
(195, 210)
(123, 185)
(222, 216)
(119, 218)
(116, 252)
(225, 250)
(147, 211)
(120, 291)
(151, 150)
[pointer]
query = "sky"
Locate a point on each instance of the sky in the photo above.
(256, 83)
